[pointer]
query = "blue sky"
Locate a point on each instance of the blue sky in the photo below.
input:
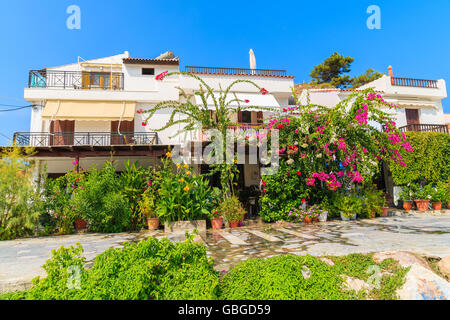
(291, 35)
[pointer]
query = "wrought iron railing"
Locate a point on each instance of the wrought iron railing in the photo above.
(37, 139)
(408, 82)
(75, 80)
(236, 71)
(425, 128)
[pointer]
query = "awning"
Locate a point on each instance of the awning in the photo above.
(88, 110)
(416, 103)
(255, 99)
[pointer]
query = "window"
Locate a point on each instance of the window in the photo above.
(148, 71)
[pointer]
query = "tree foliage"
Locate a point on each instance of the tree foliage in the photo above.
(334, 71)
(18, 213)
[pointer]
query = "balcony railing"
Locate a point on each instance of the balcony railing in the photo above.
(75, 80)
(37, 139)
(236, 71)
(425, 128)
(418, 83)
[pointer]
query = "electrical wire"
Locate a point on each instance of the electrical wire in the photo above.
(14, 109)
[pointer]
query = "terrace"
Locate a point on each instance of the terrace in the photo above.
(75, 80)
(46, 139)
(237, 71)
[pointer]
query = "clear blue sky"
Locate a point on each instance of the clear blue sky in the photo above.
(294, 35)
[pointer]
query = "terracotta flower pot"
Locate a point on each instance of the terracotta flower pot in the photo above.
(153, 223)
(437, 205)
(80, 224)
(422, 205)
(407, 205)
(217, 223)
(307, 220)
(233, 224)
(385, 211)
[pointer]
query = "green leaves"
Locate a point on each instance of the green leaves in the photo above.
(430, 161)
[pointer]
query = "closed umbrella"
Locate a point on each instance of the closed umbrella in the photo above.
(252, 60)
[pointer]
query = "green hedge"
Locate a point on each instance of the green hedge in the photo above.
(430, 161)
(150, 269)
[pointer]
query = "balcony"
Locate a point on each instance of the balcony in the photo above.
(75, 80)
(237, 71)
(38, 139)
(416, 83)
(425, 128)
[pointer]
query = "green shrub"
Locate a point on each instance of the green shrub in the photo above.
(150, 269)
(18, 215)
(232, 209)
(281, 278)
(430, 161)
(183, 195)
(99, 199)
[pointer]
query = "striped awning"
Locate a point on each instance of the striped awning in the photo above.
(89, 110)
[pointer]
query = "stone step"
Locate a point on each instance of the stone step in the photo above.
(263, 235)
(298, 234)
(231, 238)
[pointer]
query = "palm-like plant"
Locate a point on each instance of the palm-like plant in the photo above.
(198, 117)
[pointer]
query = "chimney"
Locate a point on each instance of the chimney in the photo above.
(391, 75)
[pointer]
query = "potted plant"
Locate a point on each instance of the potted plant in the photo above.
(323, 210)
(147, 208)
(438, 195)
(406, 195)
(422, 197)
(216, 219)
(80, 224)
(232, 211)
(349, 207)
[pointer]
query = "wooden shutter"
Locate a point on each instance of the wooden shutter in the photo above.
(239, 116)
(126, 130)
(412, 116)
(63, 132)
(259, 117)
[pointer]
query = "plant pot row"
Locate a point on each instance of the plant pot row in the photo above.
(423, 205)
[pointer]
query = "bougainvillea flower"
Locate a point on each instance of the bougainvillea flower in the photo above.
(149, 183)
(161, 76)
(75, 162)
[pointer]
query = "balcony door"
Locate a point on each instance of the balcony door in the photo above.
(126, 132)
(412, 116)
(62, 132)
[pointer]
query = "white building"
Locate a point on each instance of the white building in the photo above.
(420, 100)
(87, 109)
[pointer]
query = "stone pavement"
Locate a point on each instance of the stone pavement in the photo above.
(424, 234)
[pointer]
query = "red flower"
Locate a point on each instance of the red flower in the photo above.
(280, 126)
(144, 124)
(161, 76)
(264, 91)
(264, 183)
(299, 173)
(303, 200)
(247, 101)
(284, 110)
(139, 111)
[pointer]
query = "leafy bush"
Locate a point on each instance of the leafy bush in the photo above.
(232, 209)
(429, 163)
(280, 278)
(283, 191)
(18, 213)
(183, 195)
(150, 269)
(99, 199)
